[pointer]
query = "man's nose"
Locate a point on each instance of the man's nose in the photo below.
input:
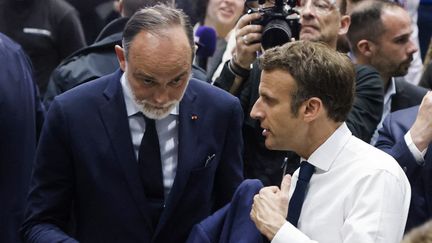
(412, 48)
(161, 97)
(255, 112)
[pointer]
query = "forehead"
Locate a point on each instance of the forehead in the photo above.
(396, 21)
(164, 54)
(277, 83)
(150, 41)
(395, 17)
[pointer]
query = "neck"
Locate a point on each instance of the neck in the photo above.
(318, 133)
(386, 80)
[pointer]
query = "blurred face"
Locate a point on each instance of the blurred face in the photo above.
(393, 53)
(320, 21)
(158, 70)
(281, 128)
(224, 12)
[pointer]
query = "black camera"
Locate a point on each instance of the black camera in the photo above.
(281, 21)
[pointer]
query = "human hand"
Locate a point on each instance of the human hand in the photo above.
(270, 208)
(421, 130)
(248, 40)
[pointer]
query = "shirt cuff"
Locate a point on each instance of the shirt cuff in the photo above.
(419, 156)
(289, 233)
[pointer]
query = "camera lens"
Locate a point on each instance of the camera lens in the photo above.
(275, 33)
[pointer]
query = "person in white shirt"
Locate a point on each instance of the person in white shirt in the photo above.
(356, 193)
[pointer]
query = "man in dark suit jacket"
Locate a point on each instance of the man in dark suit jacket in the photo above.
(19, 110)
(407, 136)
(388, 48)
(87, 158)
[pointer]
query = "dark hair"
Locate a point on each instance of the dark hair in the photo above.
(343, 7)
(318, 71)
(200, 9)
(131, 6)
(366, 23)
(153, 19)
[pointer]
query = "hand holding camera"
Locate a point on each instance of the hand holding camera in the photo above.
(248, 40)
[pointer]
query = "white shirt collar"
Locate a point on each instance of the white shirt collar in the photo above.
(391, 90)
(132, 107)
(324, 156)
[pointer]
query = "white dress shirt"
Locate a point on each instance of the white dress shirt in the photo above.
(418, 155)
(391, 90)
(167, 129)
(357, 194)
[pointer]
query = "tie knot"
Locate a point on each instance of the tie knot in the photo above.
(148, 121)
(306, 171)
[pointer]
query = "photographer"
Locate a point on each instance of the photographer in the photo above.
(322, 21)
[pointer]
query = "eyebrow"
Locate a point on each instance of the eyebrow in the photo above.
(148, 77)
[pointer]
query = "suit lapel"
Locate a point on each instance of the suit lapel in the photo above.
(114, 116)
(188, 130)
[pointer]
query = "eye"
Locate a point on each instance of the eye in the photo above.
(321, 4)
(147, 81)
(176, 82)
(402, 40)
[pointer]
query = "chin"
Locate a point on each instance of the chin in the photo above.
(157, 114)
(309, 37)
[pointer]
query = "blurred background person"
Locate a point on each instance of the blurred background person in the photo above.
(21, 118)
(388, 48)
(94, 15)
(407, 136)
(421, 234)
(222, 16)
(48, 30)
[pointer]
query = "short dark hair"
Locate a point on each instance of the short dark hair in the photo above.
(153, 19)
(366, 23)
(318, 71)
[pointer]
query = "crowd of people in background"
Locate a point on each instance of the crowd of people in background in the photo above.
(115, 127)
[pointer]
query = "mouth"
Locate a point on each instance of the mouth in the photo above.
(265, 132)
(308, 28)
(226, 11)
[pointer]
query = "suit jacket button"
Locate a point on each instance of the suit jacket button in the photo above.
(405, 169)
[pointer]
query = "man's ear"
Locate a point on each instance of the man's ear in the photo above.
(344, 24)
(366, 48)
(120, 57)
(312, 109)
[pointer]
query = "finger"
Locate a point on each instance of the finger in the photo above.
(286, 184)
(247, 19)
(247, 30)
(269, 190)
(253, 37)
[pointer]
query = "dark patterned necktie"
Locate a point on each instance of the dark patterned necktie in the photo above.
(296, 201)
(149, 161)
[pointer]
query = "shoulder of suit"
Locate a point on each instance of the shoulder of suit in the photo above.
(206, 90)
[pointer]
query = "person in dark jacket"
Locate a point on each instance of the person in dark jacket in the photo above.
(21, 117)
(48, 31)
(99, 59)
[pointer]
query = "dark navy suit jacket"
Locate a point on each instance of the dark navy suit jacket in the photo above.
(21, 115)
(19, 110)
(391, 140)
(86, 164)
(232, 223)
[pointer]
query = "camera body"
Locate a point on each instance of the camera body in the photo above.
(281, 22)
